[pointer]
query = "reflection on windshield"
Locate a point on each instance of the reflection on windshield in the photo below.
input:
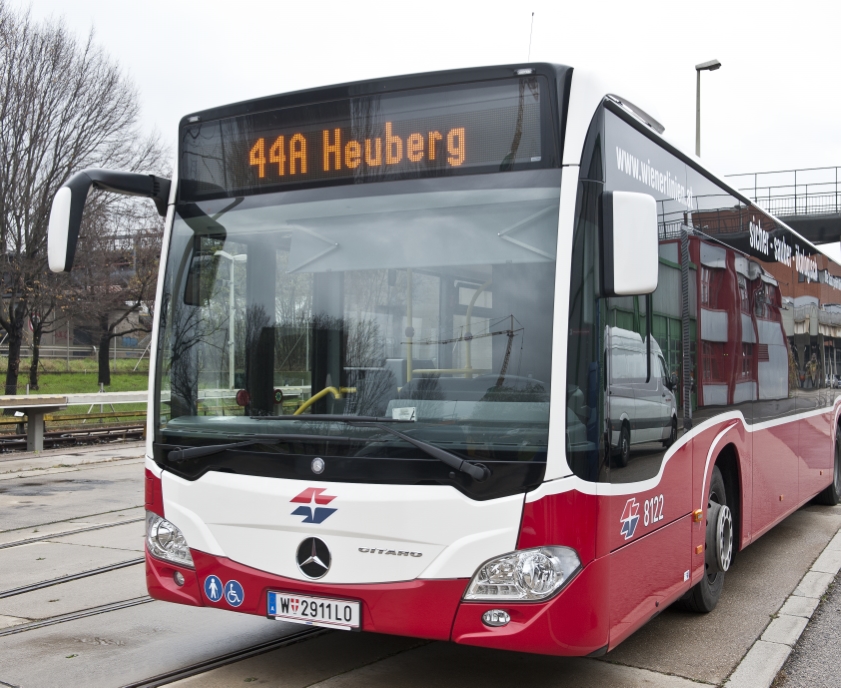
(433, 305)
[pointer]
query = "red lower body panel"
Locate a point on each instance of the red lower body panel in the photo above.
(161, 584)
(419, 608)
(569, 624)
(648, 575)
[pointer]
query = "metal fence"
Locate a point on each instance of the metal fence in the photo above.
(786, 193)
(75, 352)
(669, 230)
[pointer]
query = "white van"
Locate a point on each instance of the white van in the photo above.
(638, 411)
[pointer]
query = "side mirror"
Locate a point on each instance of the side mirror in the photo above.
(629, 243)
(69, 204)
(204, 264)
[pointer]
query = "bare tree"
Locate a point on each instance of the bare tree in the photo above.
(114, 278)
(48, 300)
(64, 106)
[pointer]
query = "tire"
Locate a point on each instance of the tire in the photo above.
(832, 494)
(672, 435)
(623, 451)
(704, 596)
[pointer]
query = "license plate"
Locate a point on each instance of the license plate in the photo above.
(314, 611)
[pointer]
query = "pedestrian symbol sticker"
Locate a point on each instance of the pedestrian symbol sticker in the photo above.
(213, 588)
(234, 594)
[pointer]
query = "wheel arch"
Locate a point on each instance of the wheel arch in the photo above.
(729, 464)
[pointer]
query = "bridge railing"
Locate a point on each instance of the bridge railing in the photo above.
(785, 193)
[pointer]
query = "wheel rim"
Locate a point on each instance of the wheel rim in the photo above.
(837, 468)
(724, 538)
(712, 573)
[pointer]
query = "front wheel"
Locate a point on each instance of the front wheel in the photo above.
(704, 596)
(832, 494)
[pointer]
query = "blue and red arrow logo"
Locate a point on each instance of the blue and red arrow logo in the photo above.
(630, 518)
(313, 497)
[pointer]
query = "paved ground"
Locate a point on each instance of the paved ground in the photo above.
(814, 661)
(61, 492)
(49, 495)
(370, 661)
(63, 487)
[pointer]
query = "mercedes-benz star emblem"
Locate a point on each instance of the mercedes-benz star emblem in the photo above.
(313, 558)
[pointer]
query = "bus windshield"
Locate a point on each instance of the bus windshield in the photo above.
(419, 300)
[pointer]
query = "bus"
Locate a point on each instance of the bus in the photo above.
(474, 355)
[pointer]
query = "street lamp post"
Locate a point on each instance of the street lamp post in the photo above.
(240, 258)
(710, 66)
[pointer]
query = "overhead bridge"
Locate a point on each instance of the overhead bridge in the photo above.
(807, 200)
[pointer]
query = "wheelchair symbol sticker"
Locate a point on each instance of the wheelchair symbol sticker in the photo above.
(213, 588)
(234, 594)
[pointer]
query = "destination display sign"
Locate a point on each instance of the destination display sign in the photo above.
(484, 127)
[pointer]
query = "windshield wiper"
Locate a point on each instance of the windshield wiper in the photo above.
(478, 472)
(184, 453)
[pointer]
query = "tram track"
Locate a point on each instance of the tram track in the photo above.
(75, 518)
(73, 616)
(229, 658)
(56, 536)
(12, 592)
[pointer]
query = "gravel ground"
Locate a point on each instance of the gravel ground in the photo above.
(814, 661)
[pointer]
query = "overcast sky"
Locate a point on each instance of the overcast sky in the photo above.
(773, 105)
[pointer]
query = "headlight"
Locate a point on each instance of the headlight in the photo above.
(530, 574)
(165, 541)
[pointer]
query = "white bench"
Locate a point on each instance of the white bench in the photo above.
(35, 406)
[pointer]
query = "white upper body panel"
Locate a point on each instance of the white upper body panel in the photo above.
(253, 521)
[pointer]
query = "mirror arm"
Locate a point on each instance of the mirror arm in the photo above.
(648, 321)
(69, 203)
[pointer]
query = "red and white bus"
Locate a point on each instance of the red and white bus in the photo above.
(475, 356)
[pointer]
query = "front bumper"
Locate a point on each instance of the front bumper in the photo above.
(418, 608)
(571, 623)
